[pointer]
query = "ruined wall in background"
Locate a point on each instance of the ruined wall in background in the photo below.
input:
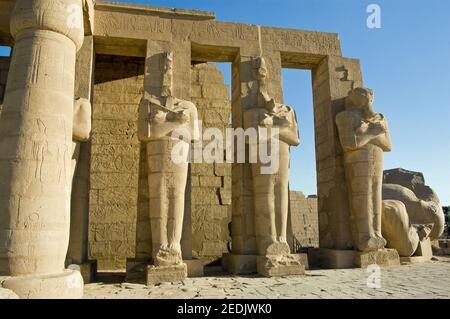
(114, 156)
(304, 219)
(211, 183)
(4, 68)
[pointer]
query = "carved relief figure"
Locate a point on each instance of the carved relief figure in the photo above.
(159, 116)
(364, 137)
(270, 191)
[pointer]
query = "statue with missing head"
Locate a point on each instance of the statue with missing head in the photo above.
(364, 137)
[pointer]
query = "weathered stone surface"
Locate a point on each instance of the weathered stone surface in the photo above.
(397, 228)
(339, 259)
(382, 258)
(161, 274)
(195, 267)
(424, 281)
(211, 190)
(66, 285)
(303, 223)
(114, 162)
(281, 265)
(332, 79)
(36, 135)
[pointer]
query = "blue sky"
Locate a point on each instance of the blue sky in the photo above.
(406, 62)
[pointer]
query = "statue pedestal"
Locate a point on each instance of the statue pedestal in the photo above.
(239, 264)
(284, 265)
(341, 259)
(67, 285)
(194, 267)
(137, 268)
(160, 274)
(382, 258)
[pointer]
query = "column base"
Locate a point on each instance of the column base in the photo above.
(341, 259)
(194, 267)
(239, 264)
(67, 285)
(161, 274)
(7, 294)
(276, 266)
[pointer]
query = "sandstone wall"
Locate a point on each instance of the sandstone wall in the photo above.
(211, 183)
(4, 68)
(114, 167)
(304, 219)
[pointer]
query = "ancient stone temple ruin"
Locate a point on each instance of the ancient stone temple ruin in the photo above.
(92, 95)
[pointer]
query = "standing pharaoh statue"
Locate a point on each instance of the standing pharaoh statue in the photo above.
(160, 119)
(271, 186)
(364, 137)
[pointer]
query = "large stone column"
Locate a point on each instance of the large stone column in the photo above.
(36, 149)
